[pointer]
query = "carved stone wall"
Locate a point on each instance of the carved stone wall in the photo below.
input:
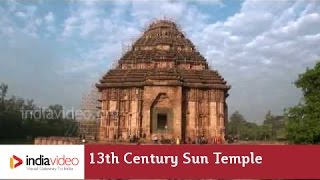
(205, 110)
(121, 113)
(133, 111)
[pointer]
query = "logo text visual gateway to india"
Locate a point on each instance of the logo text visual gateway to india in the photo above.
(15, 162)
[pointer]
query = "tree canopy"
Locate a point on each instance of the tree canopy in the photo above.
(241, 129)
(21, 118)
(303, 120)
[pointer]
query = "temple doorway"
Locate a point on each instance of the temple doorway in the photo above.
(162, 121)
(161, 116)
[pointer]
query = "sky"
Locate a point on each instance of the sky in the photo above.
(54, 51)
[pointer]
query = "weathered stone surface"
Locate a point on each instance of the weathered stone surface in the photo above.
(163, 86)
(56, 140)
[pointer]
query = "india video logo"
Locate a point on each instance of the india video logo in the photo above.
(15, 161)
(57, 161)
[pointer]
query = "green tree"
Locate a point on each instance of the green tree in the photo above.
(274, 125)
(249, 131)
(57, 111)
(264, 132)
(235, 125)
(241, 129)
(4, 90)
(18, 121)
(303, 120)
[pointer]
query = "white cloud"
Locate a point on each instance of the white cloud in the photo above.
(28, 20)
(12, 5)
(49, 18)
(209, 2)
(259, 50)
(273, 45)
(85, 19)
(69, 26)
(31, 10)
(21, 14)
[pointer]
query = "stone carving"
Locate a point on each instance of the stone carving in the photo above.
(191, 95)
(162, 100)
(114, 94)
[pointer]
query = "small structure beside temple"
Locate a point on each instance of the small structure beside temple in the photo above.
(58, 140)
(162, 87)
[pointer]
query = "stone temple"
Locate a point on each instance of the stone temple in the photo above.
(162, 86)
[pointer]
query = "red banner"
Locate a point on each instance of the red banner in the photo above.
(202, 161)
